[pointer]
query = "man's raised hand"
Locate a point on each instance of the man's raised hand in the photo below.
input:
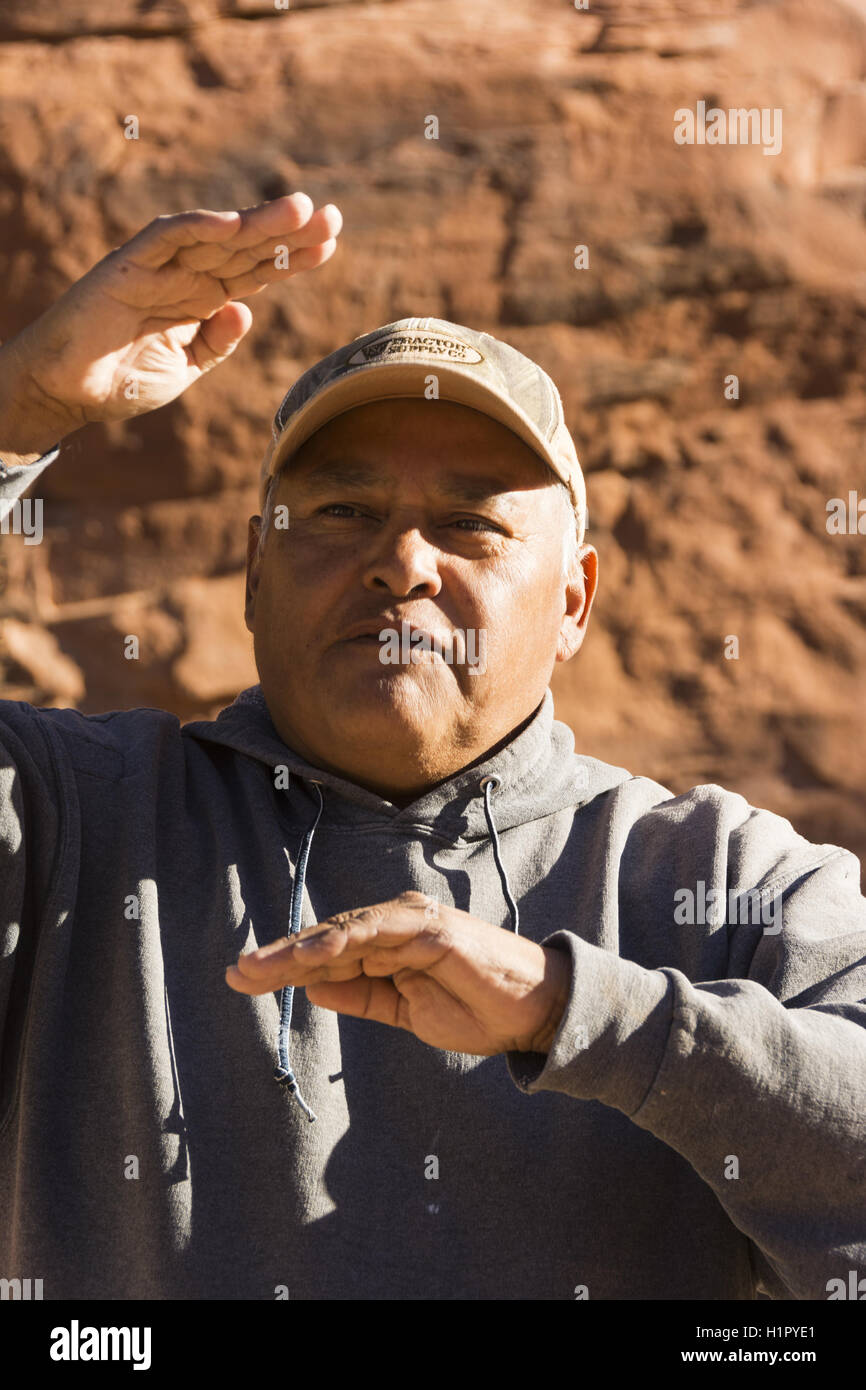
(150, 318)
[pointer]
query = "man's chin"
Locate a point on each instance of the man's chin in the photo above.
(393, 714)
(400, 699)
(358, 718)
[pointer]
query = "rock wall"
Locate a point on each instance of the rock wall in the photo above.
(555, 130)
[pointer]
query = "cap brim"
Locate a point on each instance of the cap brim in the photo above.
(397, 379)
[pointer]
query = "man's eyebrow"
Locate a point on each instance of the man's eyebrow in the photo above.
(341, 473)
(471, 487)
(467, 487)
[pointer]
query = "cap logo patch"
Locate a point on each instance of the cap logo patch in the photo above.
(433, 345)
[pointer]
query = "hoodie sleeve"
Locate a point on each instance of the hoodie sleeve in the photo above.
(16, 479)
(32, 826)
(757, 1080)
(28, 831)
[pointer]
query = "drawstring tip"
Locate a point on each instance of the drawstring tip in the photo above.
(286, 1077)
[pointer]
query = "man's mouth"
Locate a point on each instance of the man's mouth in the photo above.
(379, 630)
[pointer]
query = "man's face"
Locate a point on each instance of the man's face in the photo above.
(429, 513)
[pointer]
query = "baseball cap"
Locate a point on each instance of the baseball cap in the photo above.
(470, 368)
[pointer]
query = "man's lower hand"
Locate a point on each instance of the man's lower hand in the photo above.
(456, 982)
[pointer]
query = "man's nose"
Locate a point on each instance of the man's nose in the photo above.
(403, 561)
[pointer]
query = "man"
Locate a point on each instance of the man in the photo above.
(258, 972)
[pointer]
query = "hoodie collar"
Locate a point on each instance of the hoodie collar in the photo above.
(538, 774)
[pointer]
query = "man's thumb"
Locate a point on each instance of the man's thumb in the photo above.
(219, 335)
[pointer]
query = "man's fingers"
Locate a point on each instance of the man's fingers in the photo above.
(279, 217)
(321, 229)
(188, 236)
(164, 236)
(201, 261)
(269, 961)
(376, 1000)
(224, 261)
(245, 983)
(268, 272)
(393, 934)
(203, 303)
(324, 225)
(203, 256)
(335, 957)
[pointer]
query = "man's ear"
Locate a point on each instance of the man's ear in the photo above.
(579, 594)
(253, 571)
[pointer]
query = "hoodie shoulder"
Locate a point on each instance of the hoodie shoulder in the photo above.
(670, 833)
(101, 745)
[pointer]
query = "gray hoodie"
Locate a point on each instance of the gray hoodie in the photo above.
(695, 1132)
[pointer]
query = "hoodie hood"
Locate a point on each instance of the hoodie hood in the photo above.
(538, 774)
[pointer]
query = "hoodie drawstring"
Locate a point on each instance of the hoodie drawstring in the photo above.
(283, 1072)
(485, 785)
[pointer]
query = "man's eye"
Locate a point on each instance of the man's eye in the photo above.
(333, 507)
(475, 521)
(341, 510)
